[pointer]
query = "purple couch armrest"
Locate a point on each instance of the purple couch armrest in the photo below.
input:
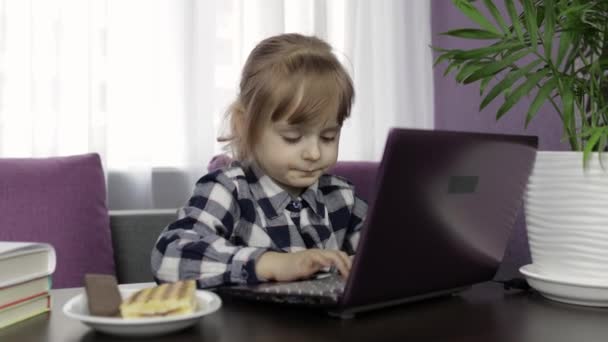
(61, 201)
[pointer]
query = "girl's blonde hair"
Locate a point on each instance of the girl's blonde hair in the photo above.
(287, 76)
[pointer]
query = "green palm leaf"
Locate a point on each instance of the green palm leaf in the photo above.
(469, 68)
(506, 83)
(549, 28)
(497, 16)
(489, 50)
(565, 40)
(593, 140)
(541, 97)
(601, 148)
(531, 26)
(445, 56)
(454, 64)
(573, 71)
(470, 33)
(471, 11)
(515, 20)
(568, 106)
(484, 83)
(522, 90)
(492, 69)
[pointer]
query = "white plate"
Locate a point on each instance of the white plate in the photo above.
(572, 291)
(77, 308)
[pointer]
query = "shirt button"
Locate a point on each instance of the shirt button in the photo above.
(296, 204)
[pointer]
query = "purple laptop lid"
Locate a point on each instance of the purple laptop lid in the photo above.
(444, 207)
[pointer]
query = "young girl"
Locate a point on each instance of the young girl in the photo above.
(274, 215)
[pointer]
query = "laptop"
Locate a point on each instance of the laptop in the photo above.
(440, 220)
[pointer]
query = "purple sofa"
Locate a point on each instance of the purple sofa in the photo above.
(63, 201)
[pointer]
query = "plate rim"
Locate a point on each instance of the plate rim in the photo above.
(530, 270)
(209, 297)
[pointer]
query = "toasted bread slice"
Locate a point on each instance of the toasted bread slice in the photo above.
(164, 300)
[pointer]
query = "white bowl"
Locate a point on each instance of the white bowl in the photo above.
(77, 308)
(567, 290)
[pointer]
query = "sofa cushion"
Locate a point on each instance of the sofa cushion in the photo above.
(61, 201)
(361, 173)
(134, 234)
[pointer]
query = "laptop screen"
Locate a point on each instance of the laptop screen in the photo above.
(444, 207)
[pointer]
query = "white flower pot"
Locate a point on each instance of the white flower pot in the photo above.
(567, 217)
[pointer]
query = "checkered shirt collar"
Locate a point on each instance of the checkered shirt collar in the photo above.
(273, 199)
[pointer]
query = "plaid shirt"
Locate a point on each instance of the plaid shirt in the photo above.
(238, 213)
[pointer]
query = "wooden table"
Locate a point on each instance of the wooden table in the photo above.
(484, 313)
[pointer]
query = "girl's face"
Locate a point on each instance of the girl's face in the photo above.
(295, 156)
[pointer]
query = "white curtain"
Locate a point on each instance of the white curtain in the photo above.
(52, 77)
(145, 83)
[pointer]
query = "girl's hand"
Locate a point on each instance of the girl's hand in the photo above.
(301, 265)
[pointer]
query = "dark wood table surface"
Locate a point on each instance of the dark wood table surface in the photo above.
(484, 313)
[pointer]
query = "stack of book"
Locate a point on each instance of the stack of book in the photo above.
(26, 270)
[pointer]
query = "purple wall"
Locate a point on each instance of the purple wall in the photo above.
(456, 108)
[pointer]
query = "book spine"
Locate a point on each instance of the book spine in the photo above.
(16, 302)
(27, 315)
(23, 318)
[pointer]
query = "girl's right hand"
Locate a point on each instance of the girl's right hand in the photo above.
(301, 265)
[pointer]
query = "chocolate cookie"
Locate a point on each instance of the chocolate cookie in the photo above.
(102, 294)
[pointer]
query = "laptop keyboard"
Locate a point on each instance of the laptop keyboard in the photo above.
(308, 292)
(332, 285)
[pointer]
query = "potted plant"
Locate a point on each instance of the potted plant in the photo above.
(555, 52)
